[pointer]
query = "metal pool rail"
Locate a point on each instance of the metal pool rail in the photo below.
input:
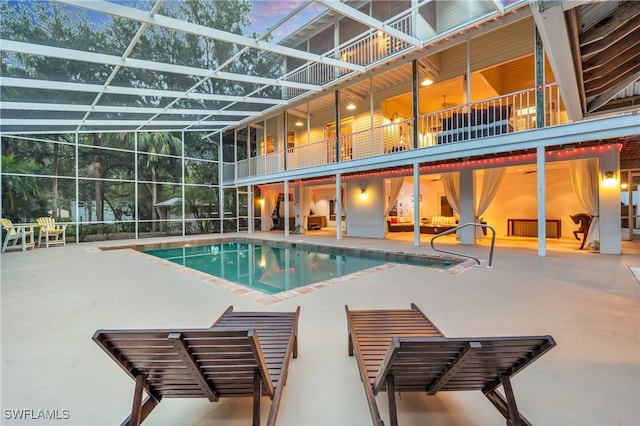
(452, 230)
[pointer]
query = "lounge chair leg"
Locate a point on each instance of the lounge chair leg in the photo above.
(147, 406)
(391, 397)
(513, 419)
(295, 346)
(257, 393)
(136, 409)
(504, 407)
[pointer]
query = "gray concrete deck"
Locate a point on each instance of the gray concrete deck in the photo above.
(54, 299)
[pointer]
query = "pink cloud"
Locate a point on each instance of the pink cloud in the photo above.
(266, 14)
(279, 8)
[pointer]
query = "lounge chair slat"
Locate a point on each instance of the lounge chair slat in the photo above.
(407, 347)
(221, 360)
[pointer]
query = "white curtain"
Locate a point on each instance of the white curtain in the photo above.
(451, 182)
(270, 199)
(584, 179)
(305, 205)
(490, 183)
(394, 190)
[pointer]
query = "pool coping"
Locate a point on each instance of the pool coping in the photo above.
(392, 259)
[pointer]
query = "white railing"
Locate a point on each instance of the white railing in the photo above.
(256, 166)
(311, 155)
(365, 50)
(314, 73)
(514, 112)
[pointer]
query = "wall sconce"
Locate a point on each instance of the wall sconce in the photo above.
(363, 194)
(394, 118)
(262, 201)
(609, 179)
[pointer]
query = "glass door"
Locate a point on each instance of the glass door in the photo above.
(630, 212)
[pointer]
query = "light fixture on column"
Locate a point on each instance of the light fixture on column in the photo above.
(609, 179)
(363, 194)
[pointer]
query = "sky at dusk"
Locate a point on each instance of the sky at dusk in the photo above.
(266, 13)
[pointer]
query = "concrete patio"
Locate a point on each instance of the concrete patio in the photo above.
(54, 299)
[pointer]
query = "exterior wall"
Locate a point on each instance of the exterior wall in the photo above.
(467, 207)
(609, 199)
(365, 218)
(520, 43)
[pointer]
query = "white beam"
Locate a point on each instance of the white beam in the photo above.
(109, 123)
(100, 58)
(35, 106)
(367, 20)
(130, 91)
(498, 5)
(541, 200)
(202, 31)
(555, 37)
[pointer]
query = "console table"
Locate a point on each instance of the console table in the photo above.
(316, 222)
(529, 228)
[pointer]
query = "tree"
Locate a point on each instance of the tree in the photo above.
(157, 145)
(19, 192)
(61, 25)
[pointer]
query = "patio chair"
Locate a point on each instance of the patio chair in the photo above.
(401, 350)
(51, 232)
(242, 354)
(17, 237)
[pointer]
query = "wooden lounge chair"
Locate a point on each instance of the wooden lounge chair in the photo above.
(51, 232)
(17, 237)
(242, 354)
(402, 350)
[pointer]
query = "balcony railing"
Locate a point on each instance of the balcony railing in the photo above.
(511, 113)
(365, 50)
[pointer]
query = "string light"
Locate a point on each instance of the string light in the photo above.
(558, 155)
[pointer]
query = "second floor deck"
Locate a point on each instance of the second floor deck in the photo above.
(512, 113)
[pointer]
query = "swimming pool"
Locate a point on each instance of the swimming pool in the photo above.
(275, 268)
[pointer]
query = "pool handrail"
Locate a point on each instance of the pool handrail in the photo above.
(452, 230)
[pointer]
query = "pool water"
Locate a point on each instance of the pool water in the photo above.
(270, 269)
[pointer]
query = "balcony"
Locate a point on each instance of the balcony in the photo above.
(515, 112)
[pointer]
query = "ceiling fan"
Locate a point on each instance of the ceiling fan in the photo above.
(445, 104)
